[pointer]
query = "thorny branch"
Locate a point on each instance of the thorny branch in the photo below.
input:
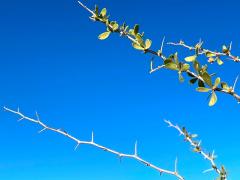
(122, 32)
(206, 51)
(197, 148)
(79, 142)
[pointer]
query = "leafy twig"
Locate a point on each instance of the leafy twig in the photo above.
(226, 51)
(198, 74)
(198, 149)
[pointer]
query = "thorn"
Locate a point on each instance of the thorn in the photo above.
(120, 158)
(176, 161)
(199, 143)
(161, 49)
(135, 149)
(42, 130)
(37, 116)
(20, 119)
(235, 83)
(18, 110)
(92, 137)
(151, 65)
(208, 170)
(76, 146)
(230, 46)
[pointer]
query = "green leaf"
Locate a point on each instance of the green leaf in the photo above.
(136, 29)
(203, 89)
(137, 46)
(225, 49)
(104, 35)
(213, 99)
(210, 54)
(217, 82)
(196, 66)
(224, 86)
(171, 65)
(103, 12)
(148, 43)
(219, 61)
(131, 32)
(201, 84)
(193, 81)
(207, 79)
(115, 26)
(185, 67)
(190, 58)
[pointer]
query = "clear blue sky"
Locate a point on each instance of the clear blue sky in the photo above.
(52, 62)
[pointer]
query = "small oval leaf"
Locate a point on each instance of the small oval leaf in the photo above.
(104, 35)
(203, 89)
(148, 43)
(213, 99)
(190, 58)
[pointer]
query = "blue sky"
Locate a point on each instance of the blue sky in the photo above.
(53, 63)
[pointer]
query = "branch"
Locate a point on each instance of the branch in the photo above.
(227, 51)
(79, 142)
(197, 148)
(170, 62)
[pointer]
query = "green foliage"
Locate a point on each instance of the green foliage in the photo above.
(104, 35)
(196, 72)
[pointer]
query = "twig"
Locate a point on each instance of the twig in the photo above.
(204, 51)
(197, 148)
(94, 144)
(163, 57)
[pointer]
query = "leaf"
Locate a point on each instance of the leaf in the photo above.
(139, 39)
(210, 54)
(137, 46)
(219, 61)
(185, 67)
(225, 49)
(196, 66)
(104, 35)
(103, 12)
(190, 58)
(115, 26)
(171, 65)
(201, 84)
(224, 86)
(207, 79)
(217, 82)
(203, 89)
(148, 43)
(213, 99)
(136, 29)
(193, 81)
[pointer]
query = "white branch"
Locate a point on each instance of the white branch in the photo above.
(205, 155)
(94, 144)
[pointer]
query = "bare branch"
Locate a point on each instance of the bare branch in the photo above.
(94, 144)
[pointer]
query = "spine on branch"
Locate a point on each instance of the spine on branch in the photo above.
(92, 142)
